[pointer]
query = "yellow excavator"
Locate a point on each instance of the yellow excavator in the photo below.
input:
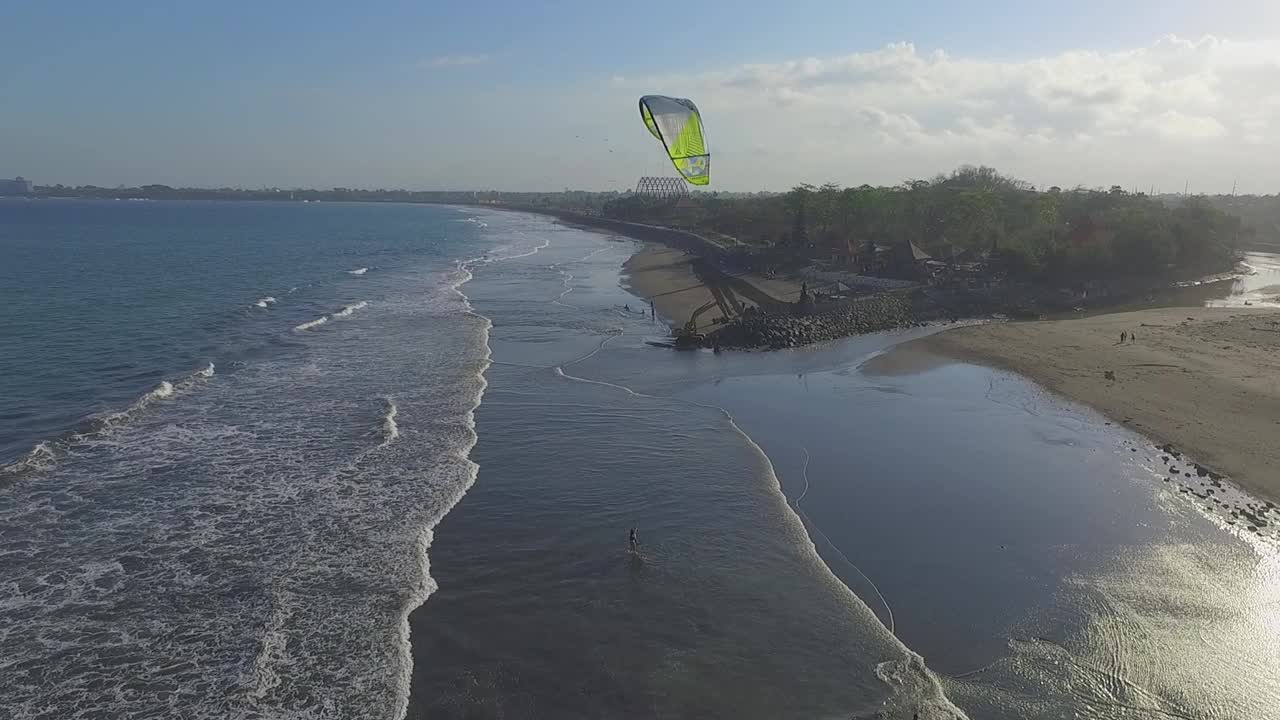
(688, 337)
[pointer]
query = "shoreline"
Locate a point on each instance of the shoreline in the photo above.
(681, 274)
(1197, 380)
(684, 570)
(680, 286)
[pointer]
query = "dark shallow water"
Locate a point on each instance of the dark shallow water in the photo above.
(541, 612)
(1023, 546)
(1027, 550)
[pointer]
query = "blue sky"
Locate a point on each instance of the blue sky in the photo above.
(541, 95)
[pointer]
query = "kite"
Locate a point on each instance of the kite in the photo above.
(677, 124)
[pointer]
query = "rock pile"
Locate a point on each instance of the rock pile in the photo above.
(776, 331)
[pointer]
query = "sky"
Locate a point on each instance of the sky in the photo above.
(518, 95)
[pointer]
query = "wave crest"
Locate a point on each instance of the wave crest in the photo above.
(40, 457)
(390, 430)
(311, 323)
(46, 453)
(348, 309)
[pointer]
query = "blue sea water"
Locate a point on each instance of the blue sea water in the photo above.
(233, 437)
(227, 430)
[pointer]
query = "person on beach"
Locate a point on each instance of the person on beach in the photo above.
(634, 541)
(653, 314)
(1122, 337)
(1133, 337)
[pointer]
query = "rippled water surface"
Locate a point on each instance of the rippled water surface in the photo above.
(242, 442)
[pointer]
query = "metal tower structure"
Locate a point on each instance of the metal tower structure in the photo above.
(662, 187)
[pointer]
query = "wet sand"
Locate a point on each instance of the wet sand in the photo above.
(1206, 380)
(667, 277)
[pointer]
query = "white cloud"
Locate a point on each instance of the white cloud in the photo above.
(457, 60)
(1158, 113)
(1174, 125)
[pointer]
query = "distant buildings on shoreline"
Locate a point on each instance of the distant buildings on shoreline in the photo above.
(16, 186)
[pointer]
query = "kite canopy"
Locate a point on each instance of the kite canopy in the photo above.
(677, 124)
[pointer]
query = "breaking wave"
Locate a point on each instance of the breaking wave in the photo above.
(348, 309)
(163, 391)
(263, 302)
(45, 454)
(40, 457)
(390, 431)
(311, 323)
(358, 271)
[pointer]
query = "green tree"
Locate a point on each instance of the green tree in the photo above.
(797, 203)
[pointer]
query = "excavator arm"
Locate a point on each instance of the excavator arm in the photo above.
(691, 327)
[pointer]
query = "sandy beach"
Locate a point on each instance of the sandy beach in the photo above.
(1206, 380)
(667, 276)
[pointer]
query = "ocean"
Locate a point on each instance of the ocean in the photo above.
(377, 461)
(227, 430)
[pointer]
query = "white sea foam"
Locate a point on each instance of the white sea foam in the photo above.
(498, 256)
(264, 673)
(159, 392)
(348, 309)
(566, 278)
(163, 390)
(40, 457)
(390, 430)
(423, 589)
(263, 302)
(262, 444)
(358, 271)
(311, 323)
(45, 454)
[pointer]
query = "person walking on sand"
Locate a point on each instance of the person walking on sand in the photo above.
(1122, 337)
(653, 314)
(1133, 337)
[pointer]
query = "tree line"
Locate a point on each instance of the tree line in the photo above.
(976, 212)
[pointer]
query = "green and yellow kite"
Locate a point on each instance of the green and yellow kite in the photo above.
(677, 124)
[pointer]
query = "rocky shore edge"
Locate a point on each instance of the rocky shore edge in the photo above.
(776, 331)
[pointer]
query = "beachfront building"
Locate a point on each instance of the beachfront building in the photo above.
(16, 186)
(901, 260)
